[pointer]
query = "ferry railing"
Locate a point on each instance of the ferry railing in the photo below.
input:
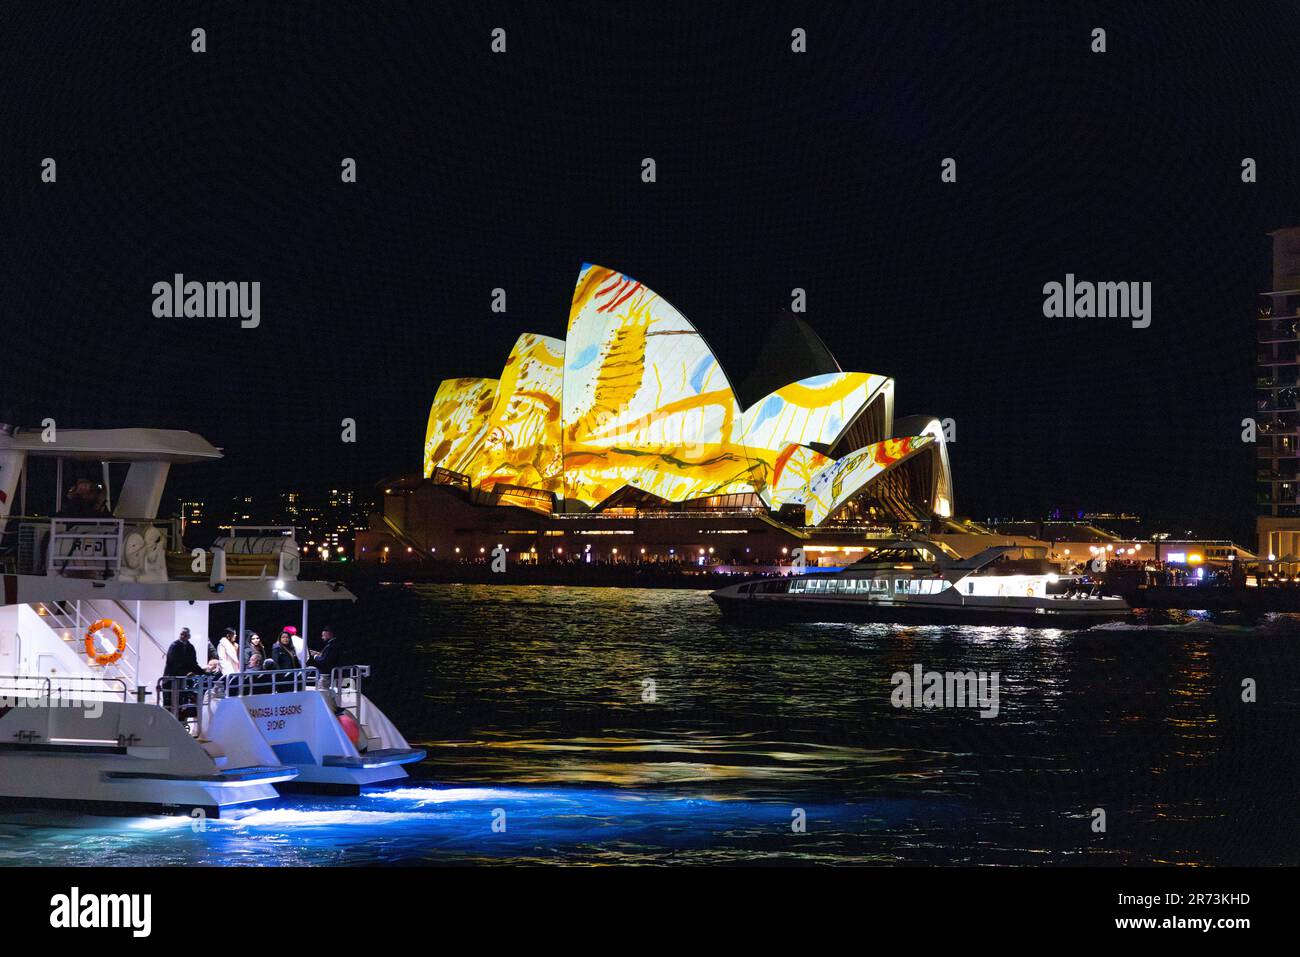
(62, 688)
(16, 687)
(50, 695)
(272, 681)
(345, 688)
(77, 687)
(349, 676)
(186, 697)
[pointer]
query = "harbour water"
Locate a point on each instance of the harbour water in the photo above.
(626, 725)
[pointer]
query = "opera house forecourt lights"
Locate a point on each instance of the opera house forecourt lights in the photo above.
(631, 420)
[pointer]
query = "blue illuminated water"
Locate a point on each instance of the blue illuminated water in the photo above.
(604, 725)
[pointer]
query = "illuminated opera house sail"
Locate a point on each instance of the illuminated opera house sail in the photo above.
(632, 410)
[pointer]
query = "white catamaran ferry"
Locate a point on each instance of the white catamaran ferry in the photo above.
(925, 581)
(95, 593)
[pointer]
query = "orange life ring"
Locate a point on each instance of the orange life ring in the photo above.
(98, 656)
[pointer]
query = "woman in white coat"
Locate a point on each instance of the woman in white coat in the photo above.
(228, 652)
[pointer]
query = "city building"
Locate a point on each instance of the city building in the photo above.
(1277, 419)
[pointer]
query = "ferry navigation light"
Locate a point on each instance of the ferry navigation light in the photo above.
(279, 584)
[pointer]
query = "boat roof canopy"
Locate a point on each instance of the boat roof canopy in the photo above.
(115, 445)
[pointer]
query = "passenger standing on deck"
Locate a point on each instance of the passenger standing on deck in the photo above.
(283, 653)
(228, 652)
(330, 655)
(182, 660)
(254, 642)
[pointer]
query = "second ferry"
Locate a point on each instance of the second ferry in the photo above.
(925, 581)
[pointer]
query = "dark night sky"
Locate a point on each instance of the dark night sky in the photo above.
(775, 170)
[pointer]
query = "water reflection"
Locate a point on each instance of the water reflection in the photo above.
(638, 725)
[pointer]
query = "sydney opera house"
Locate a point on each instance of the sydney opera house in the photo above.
(627, 438)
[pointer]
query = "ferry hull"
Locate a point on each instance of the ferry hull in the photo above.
(114, 757)
(300, 729)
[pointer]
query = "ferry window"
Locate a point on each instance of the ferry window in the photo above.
(900, 585)
(970, 588)
(880, 584)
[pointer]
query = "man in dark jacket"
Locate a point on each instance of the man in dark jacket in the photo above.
(182, 661)
(181, 658)
(331, 654)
